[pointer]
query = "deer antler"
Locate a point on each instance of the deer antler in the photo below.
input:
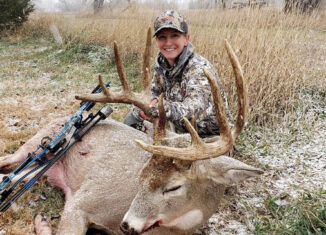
(241, 91)
(141, 100)
(198, 149)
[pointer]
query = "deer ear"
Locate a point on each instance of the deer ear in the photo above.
(241, 174)
(225, 170)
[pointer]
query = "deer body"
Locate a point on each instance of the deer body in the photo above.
(100, 177)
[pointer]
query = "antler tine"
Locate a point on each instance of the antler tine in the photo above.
(126, 95)
(193, 122)
(120, 69)
(101, 97)
(241, 91)
(159, 123)
(220, 113)
(147, 61)
(104, 89)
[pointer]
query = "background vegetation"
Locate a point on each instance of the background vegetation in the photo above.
(271, 46)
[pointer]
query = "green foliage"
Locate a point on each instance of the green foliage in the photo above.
(101, 59)
(84, 53)
(14, 12)
(303, 215)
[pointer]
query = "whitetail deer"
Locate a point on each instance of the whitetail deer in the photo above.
(177, 189)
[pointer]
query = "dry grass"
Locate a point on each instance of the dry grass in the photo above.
(20, 219)
(270, 45)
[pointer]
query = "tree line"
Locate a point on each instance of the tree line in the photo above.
(14, 12)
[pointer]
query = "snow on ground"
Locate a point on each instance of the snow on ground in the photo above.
(293, 163)
(302, 164)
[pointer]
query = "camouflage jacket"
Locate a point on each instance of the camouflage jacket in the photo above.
(187, 91)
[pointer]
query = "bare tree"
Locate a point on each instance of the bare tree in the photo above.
(69, 5)
(159, 4)
(300, 6)
(98, 5)
(223, 3)
(207, 4)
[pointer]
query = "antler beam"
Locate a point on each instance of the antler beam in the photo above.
(241, 91)
(222, 144)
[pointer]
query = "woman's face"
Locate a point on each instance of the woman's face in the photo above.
(171, 43)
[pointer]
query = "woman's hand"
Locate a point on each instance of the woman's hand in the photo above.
(152, 111)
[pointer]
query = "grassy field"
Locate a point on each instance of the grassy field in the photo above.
(283, 57)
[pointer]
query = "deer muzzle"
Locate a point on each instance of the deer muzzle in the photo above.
(125, 228)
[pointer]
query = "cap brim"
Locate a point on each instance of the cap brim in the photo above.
(167, 27)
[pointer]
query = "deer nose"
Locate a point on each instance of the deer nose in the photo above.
(124, 227)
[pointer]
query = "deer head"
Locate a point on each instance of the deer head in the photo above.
(180, 187)
(181, 194)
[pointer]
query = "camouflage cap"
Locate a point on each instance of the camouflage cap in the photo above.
(171, 20)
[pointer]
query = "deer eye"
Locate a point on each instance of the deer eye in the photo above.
(171, 189)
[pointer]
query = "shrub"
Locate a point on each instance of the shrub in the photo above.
(14, 12)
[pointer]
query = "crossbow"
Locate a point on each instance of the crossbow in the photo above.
(72, 132)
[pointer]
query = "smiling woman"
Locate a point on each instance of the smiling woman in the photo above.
(179, 76)
(171, 43)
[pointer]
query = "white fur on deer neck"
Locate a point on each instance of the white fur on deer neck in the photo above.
(202, 169)
(186, 221)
